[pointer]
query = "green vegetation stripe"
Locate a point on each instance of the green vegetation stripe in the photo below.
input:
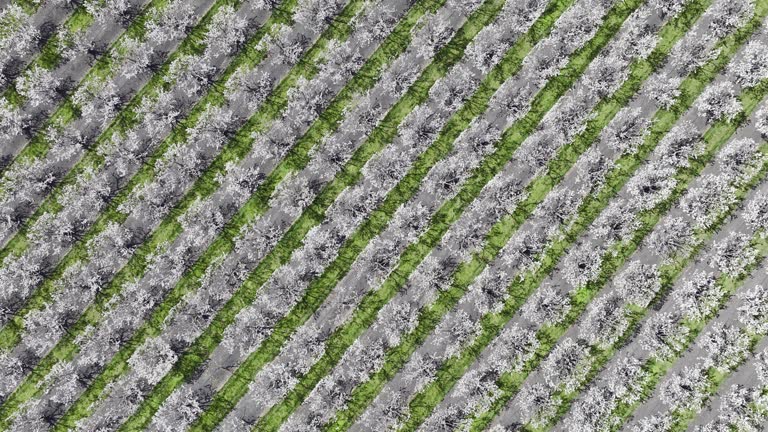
(168, 229)
(715, 137)
(292, 240)
(499, 234)
(449, 373)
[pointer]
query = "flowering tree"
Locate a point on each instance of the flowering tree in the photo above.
(662, 335)
(638, 282)
(698, 296)
(718, 101)
(582, 264)
(733, 254)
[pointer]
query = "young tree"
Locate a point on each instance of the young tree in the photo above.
(641, 37)
(536, 402)
(103, 12)
(457, 332)
(226, 32)
(171, 22)
(316, 15)
(761, 367)
(485, 55)
(654, 423)
(692, 52)
(725, 345)
(615, 223)
(605, 75)
(625, 379)
(514, 346)
(670, 237)
(605, 321)
(566, 366)
(431, 36)
(538, 149)
(681, 143)
(39, 86)
(664, 90)
(557, 208)
(740, 157)
(18, 34)
(761, 121)
(592, 168)
(454, 89)
(378, 25)
(704, 202)
(11, 122)
(401, 319)
(588, 414)
(98, 101)
(136, 57)
(685, 389)
(753, 313)
(668, 8)
(730, 15)
(293, 195)
(447, 176)
(736, 409)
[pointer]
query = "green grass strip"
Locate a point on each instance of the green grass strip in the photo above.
(11, 333)
(715, 137)
(236, 387)
(414, 254)
(424, 402)
(599, 357)
(314, 215)
(68, 111)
